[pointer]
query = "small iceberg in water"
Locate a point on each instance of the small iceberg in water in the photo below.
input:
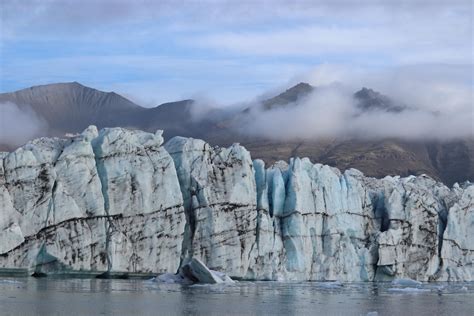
(406, 282)
(195, 272)
(406, 285)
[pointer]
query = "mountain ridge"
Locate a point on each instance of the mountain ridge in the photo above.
(71, 107)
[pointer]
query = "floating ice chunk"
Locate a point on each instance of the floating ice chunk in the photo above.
(170, 278)
(440, 287)
(224, 277)
(196, 271)
(6, 281)
(331, 285)
(408, 289)
(406, 282)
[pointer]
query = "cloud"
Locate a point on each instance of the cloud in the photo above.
(403, 32)
(160, 51)
(439, 38)
(83, 12)
(433, 87)
(438, 109)
(19, 125)
(228, 49)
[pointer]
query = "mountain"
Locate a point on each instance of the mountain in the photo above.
(71, 107)
(368, 100)
(447, 161)
(118, 201)
(291, 95)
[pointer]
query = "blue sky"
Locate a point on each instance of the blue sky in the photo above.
(228, 51)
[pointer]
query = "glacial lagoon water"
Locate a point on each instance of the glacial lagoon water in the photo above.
(55, 296)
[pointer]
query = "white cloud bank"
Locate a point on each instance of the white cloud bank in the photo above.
(438, 108)
(19, 125)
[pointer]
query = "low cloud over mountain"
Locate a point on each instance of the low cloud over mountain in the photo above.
(19, 125)
(330, 123)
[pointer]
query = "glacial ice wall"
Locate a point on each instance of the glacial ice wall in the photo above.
(119, 200)
(107, 201)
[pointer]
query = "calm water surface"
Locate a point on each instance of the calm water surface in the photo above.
(48, 296)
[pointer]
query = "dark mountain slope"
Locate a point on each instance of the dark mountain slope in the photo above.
(291, 95)
(368, 99)
(72, 106)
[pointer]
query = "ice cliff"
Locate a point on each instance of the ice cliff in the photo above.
(119, 200)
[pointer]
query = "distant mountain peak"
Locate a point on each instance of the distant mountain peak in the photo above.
(367, 93)
(291, 95)
(369, 100)
(71, 106)
(72, 84)
(75, 83)
(302, 86)
(63, 89)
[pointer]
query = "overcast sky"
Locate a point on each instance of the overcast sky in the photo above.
(157, 51)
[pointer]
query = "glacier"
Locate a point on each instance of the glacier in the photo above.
(119, 200)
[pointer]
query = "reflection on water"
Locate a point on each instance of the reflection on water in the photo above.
(48, 296)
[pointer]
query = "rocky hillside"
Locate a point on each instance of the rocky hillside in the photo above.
(117, 200)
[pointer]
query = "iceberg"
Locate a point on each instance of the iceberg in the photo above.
(406, 282)
(196, 271)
